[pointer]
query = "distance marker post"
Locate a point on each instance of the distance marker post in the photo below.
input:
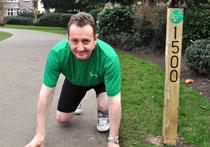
(172, 74)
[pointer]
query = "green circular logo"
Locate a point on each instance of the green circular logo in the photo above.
(176, 16)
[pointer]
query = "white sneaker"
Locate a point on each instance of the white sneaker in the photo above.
(78, 110)
(103, 122)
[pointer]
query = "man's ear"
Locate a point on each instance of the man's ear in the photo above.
(96, 36)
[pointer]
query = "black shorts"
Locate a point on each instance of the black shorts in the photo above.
(71, 95)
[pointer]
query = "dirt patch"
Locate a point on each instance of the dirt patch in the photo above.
(158, 141)
(201, 83)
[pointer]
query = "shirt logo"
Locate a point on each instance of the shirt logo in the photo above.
(92, 75)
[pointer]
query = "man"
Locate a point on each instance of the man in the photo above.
(86, 62)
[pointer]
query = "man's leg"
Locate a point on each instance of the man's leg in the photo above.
(63, 117)
(70, 97)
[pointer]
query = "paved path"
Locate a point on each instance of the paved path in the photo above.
(22, 59)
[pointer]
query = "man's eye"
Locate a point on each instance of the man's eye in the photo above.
(85, 41)
(74, 41)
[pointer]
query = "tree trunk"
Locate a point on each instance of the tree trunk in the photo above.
(1, 13)
(35, 9)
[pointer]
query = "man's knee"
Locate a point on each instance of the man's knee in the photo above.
(64, 118)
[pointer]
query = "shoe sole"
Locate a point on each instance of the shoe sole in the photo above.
(102, 131)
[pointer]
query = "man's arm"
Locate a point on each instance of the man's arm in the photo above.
(114, 114)
(43, 106)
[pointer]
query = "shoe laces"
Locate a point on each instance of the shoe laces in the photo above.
(102, 119)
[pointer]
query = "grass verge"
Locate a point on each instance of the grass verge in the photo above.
(142, 103)
(4, 35)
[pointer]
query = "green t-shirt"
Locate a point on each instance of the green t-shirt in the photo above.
(102, 66)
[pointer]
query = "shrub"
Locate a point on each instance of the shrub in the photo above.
(197, 56)
(158, 21)
(19, 20)
(49, 19)
(40, 15)
(196, 25)
(54, 19)
(144, 27)
(95, 13)
(27, 14)
(125, 41)
(114, 20)
(64, 19)
(150, 21)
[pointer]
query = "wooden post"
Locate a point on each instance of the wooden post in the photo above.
(172, 74)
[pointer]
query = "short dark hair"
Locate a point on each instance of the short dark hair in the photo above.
(81, 19)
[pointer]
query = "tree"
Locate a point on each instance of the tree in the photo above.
(71, 5)
(1, 12)
(35, 9)
(80, 5)
(48, 4)
(189, 3)
(123, 2)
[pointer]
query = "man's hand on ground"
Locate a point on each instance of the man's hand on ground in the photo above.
(113, 145)
(37, 141)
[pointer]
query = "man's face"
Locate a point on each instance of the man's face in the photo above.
(82, 41)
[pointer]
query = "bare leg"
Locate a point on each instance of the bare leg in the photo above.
(63, 117)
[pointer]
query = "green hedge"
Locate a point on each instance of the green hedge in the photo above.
(196, 25)
(115, 19)
(64, 19)
(115, 24)
(95, 13)
(197, 56)
(150, 22)
(54, 19)
(27, 14)
(50, 19)
(19, 20)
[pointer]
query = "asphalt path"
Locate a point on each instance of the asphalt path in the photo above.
(22, 61)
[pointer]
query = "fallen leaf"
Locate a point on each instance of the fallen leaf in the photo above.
(203, 107)
(189, 81)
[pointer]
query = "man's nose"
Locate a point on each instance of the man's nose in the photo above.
(80, 47)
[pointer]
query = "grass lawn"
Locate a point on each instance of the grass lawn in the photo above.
(4, 35)
(38, 28)
(142, 104)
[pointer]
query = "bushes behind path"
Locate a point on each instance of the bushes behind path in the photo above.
(129, 28)
(49, 19)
